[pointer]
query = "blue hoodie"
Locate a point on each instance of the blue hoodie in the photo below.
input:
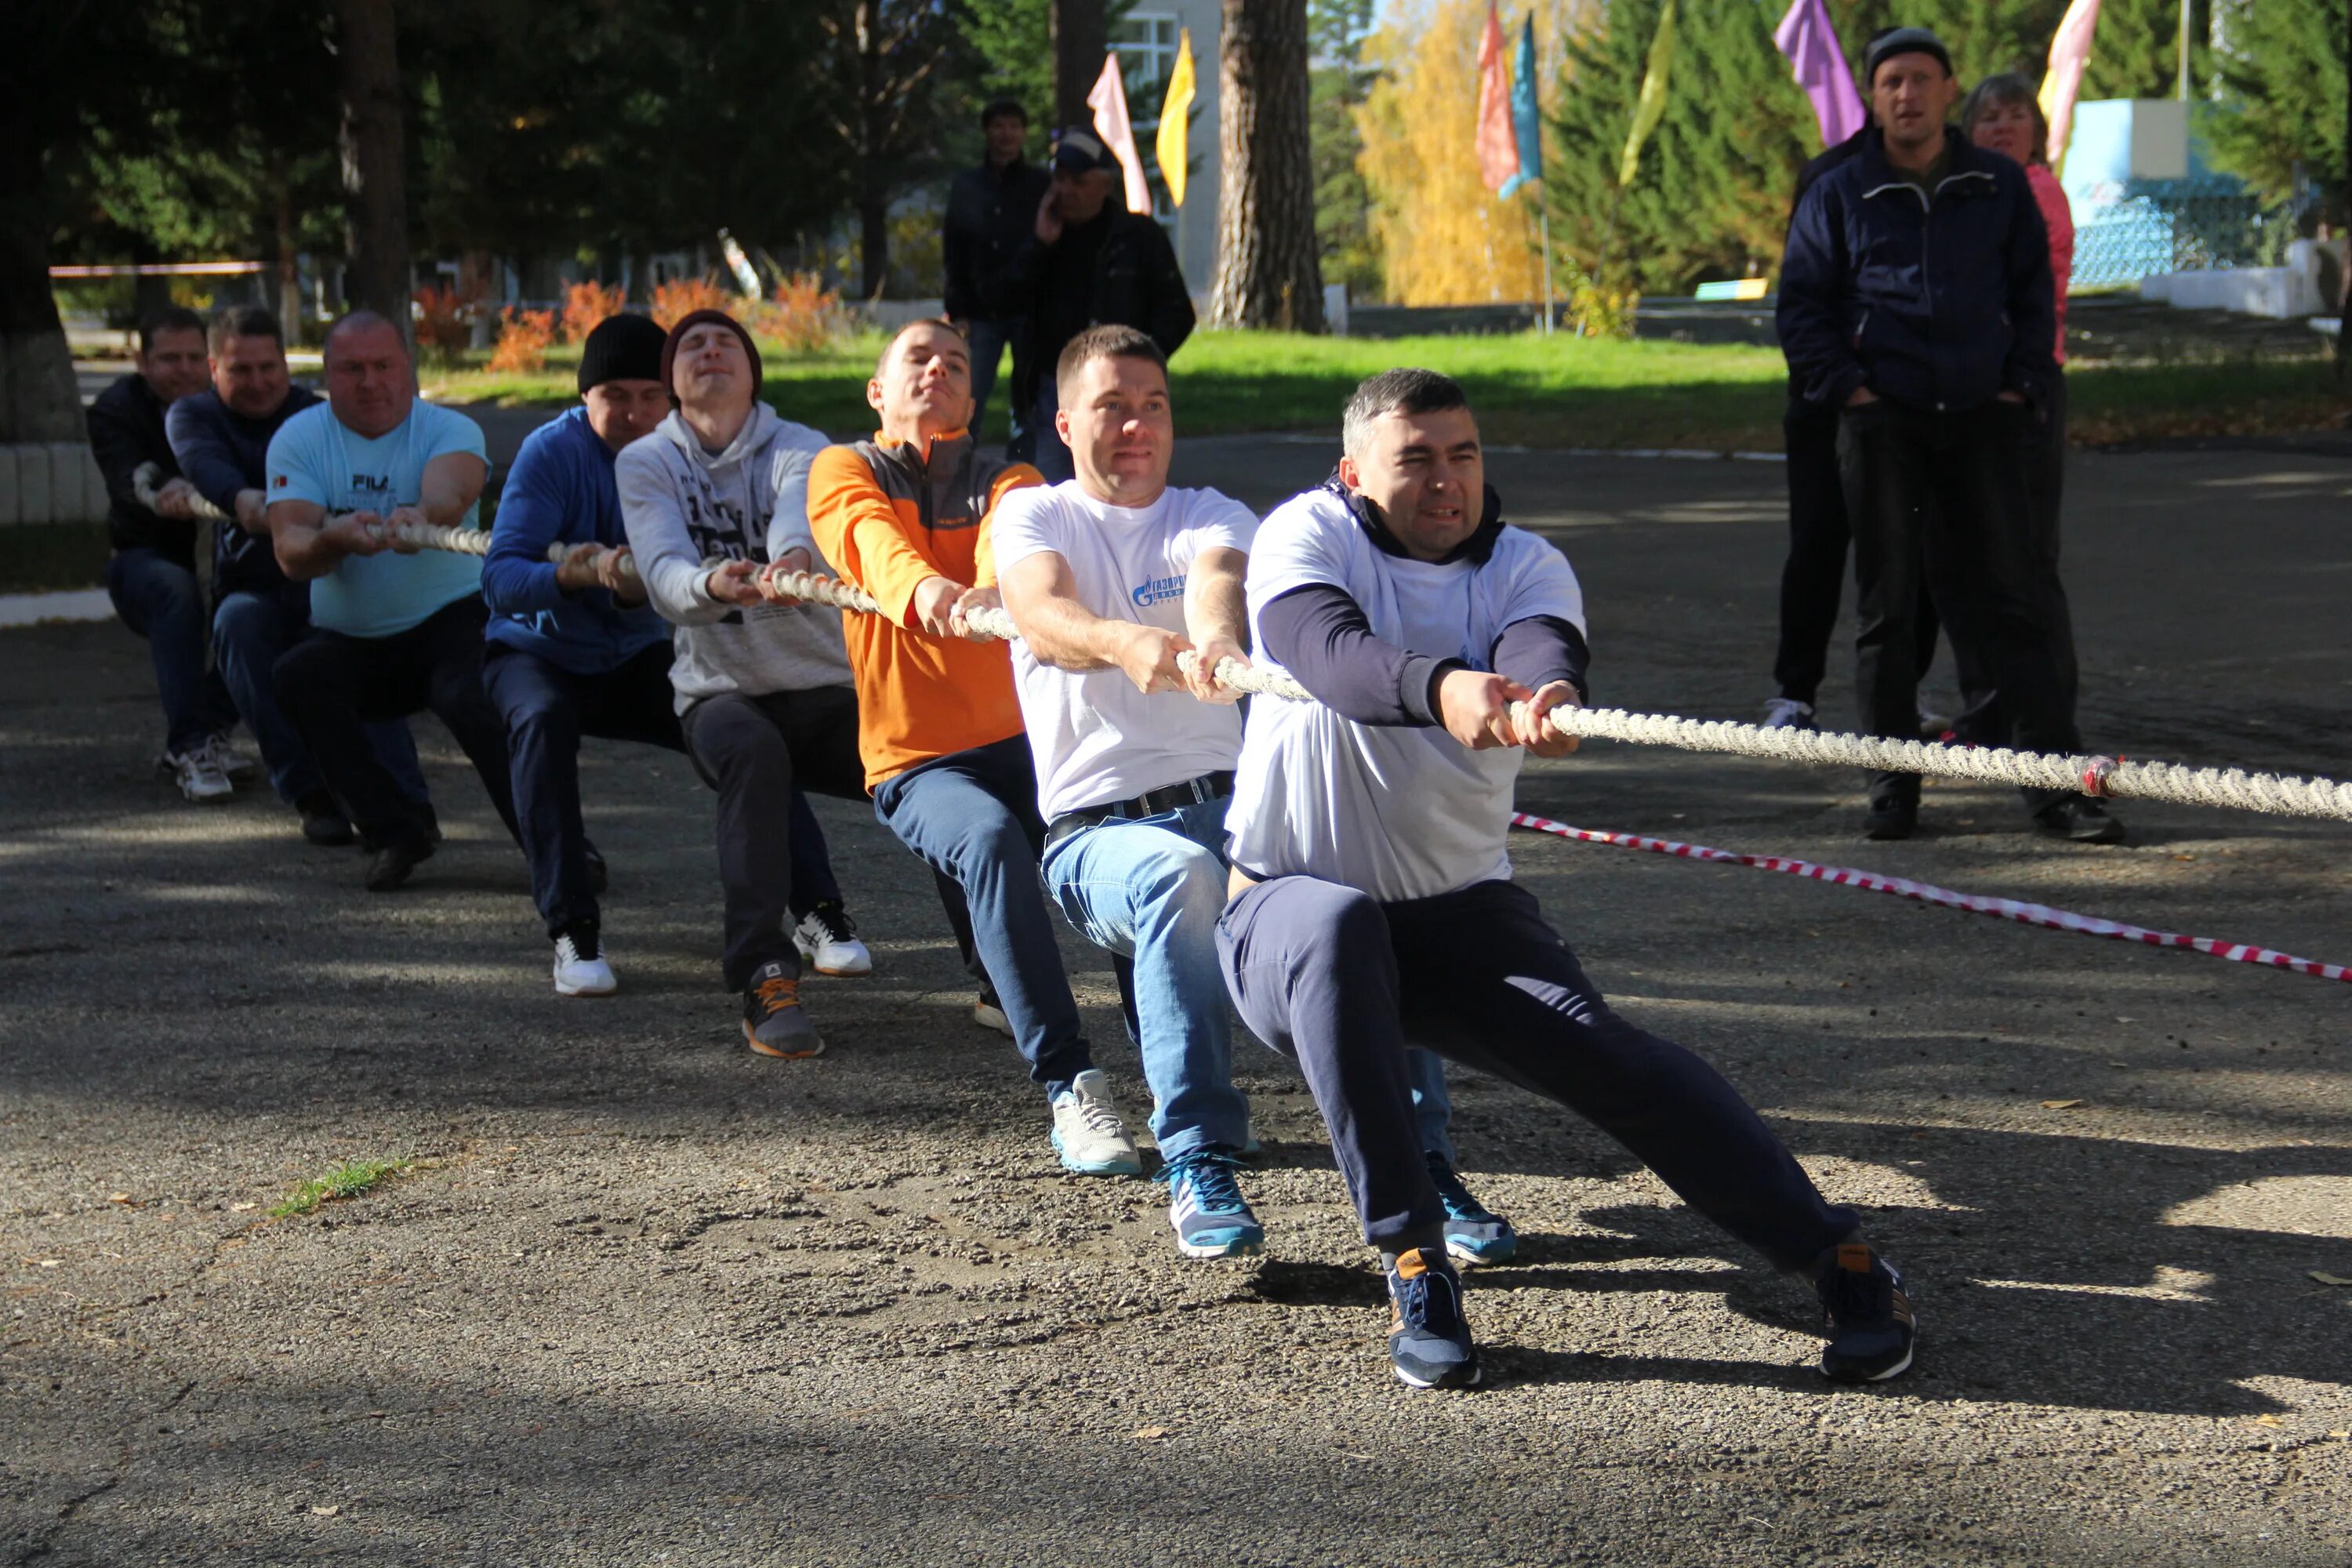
(560, 490)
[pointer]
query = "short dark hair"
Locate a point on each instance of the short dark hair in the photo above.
(1110, 341)
(1408, 390)
(244, 321)
(169, 319)
(998, 107)
(944, 323)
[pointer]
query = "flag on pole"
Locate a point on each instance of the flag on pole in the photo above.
(1810, 40)
(1109, 101)
(2070, 51)
(1498, 148)
(1653, 103)
(1174, 114)
(1526, 122)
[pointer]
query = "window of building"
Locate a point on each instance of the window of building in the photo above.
(1145, 42)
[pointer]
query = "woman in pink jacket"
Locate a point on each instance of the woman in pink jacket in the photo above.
(2003, 116)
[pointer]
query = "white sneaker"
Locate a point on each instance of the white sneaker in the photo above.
(198, 775)
(236, 765)
(988, 1015)
(827, 939)
(583, 974)
(1087, 1132)
(1788, 713)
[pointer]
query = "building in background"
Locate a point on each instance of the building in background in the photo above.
(1146, 44)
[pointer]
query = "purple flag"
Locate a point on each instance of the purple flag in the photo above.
(1807, 37)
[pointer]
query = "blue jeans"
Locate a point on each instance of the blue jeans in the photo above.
(1052, 459)
(1151, 888)
(973, 817)
(160, 600)
(250, 630)
(989, 337)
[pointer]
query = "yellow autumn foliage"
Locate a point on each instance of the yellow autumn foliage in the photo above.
(1444, 238)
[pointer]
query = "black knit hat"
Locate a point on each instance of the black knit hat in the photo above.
(1895, 41)
(686, 324)
(622, 348)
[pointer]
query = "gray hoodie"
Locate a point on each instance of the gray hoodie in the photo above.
(684, 510)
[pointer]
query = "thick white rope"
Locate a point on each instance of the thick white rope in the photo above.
(2233, 788)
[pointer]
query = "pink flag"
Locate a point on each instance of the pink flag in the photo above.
(1109, 101)
(2070, 51)
(1807, 37)
(1498, 144)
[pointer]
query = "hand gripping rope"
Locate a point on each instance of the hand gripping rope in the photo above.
(2112, 777)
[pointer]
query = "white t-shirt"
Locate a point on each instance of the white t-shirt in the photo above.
(1400, 813)
(1095, 737)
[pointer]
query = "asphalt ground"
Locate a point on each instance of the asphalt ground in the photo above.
(645, 1297)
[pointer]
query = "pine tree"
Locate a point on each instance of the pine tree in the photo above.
(2280, 102)
(1337, 85)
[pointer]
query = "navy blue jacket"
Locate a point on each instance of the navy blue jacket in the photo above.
(126, 429)
(221, 452)
(561, 489)
(1939, 304)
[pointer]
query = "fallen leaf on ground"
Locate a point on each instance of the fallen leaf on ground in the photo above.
(2340, 1436)
(2060, 1104)
(2325, 1278)
(2268, 1421)
(326, 1510)
(1150, 1433)
(117, 1197)
(243, 1208)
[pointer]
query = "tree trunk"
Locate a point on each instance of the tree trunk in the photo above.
(1080, 41)
(38, 400)
(376, 181)
(1268, 273)
(289, 261)
(873, 129)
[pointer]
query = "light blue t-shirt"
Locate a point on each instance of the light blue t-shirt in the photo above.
(315, 458)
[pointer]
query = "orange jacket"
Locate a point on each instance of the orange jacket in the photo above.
(886, 516)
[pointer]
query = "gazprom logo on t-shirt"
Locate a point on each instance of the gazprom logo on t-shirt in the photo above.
(1157, 591)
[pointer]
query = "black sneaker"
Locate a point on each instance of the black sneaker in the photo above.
(1871, 1326)
(1474, 1233)
(427, 820)
(774, 1024)
(1891, 816)
(324, 822)
(2079, 820)
(1429, 1339)
(390, 864)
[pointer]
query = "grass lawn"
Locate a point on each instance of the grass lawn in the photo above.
(1529, 390)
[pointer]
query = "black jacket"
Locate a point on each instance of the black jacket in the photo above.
(1940, 302)
(126, 429)
(1119, 269)
(221, 452)
(989, 212)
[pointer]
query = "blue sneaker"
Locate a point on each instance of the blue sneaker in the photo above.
(1473, 1234)
(1872, 1328)
(1429, 1339)
(1205, 1206)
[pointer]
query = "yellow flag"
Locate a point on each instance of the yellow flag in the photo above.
(1653, 102)
(1172, 116)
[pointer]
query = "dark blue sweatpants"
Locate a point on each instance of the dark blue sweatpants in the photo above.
(1328, 975)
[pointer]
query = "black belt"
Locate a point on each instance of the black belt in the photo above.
(1151, 803)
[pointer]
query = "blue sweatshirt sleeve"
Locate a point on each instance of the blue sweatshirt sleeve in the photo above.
(197, 428)
(1540, 649)
(518, 579)
(1323, 638)
(1814, 288)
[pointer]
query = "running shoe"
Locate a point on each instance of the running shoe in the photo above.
(827, 939)
(2078, 820)
(1429, 1339)
(237, 766)
(1473, 1233)
(773, 1022)
(1087, 1134)
(389, 865)
(1870, 1320)
(324, 822)
(1206, 1206)
(988, 1015)
(197, 773)
(1788, 713)
(580, 966)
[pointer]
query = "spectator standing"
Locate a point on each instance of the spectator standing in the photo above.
(399, 628)
(1916, 296)
(989, 212)
(221, 437)
(2003, 116)
(151, 575)
(1086, 262)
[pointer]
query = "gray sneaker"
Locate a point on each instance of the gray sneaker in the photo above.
(198, 775)
(774, 1024)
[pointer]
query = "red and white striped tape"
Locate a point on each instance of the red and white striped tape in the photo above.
(1928, 893)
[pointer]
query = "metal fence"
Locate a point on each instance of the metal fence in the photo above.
(2179, 226)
